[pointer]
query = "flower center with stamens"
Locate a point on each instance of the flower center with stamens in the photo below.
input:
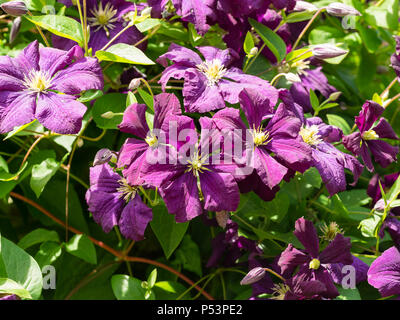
(151, 139)
(260, 137)
(314, 264)
(103, 18)
(310, 135)
(126, 191)
(37, 81)
(279, 291)
(214, 70)
(370, 135)
(195, 164)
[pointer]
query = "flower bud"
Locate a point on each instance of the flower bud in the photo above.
(341, 10)
(326, 51)
(292, 77)
(108, 115)
(146, 12)
(14, 8)
(334, 96)
(102, 156)
(134, 84)
(380, 205)
(304, 6)
(16, 25)
(253, 51)
(253, 276)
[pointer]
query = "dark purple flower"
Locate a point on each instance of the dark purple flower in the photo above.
(42, 83)
(312, 263)
(311, 79)
(208, 84)
(384, 273)
(280, 137)
(106, 19)
(228, 247)
(336, 270)
(190, 181)
(133, 153)
(329, 161)
(113, 201)
(367, 139)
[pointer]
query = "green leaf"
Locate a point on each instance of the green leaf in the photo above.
(169, 290)
(20, 267)
(151, 280)
(368, 226)
(369, 37)
(188, 254)
(147, 24)
(248, 43)
(271, 39)
(338, 121)
(6, 176)
(277, 208)
(124, 53)
(114, 102)
(168, 232)
(298, 55)
(18, 129)
(394, 191)
(299, 16)
(130, 99)
(147, 98)
(38, 5)
(127, 288)
(314, 100)
(80, 246)
(48, 253)
(38, 236)
(386, 15)
(90, 95)
(60, 25)
(42, 173)
(8, 286)
(348, 294)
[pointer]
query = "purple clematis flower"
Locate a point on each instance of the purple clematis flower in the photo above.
(106, 19)
(360, 266)
(329, 161)
(134, 151)
(9, 297)
(367, 139)
(312, 263)
(279, 136)
(384, 273)
(113, 201)
(189, 181)
(208, 84)
(42, 84)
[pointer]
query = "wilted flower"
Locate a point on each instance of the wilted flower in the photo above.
(42, 84)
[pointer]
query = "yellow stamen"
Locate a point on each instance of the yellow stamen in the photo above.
(370, 135)
(310, 135)
(214, 70)
(314, 264)
(37, 81)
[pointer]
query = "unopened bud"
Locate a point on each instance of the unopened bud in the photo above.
(79, 142)
(14, 8)
(253, 51)
(326, 51)
(334, 96)
(304, 6)
(16, 25)
(134, 84)
(341, 10)
(146, 12)
(292, 77)
(102, 156)
(108, 115)
(380, 205)
(253, 276)
(222, 218)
